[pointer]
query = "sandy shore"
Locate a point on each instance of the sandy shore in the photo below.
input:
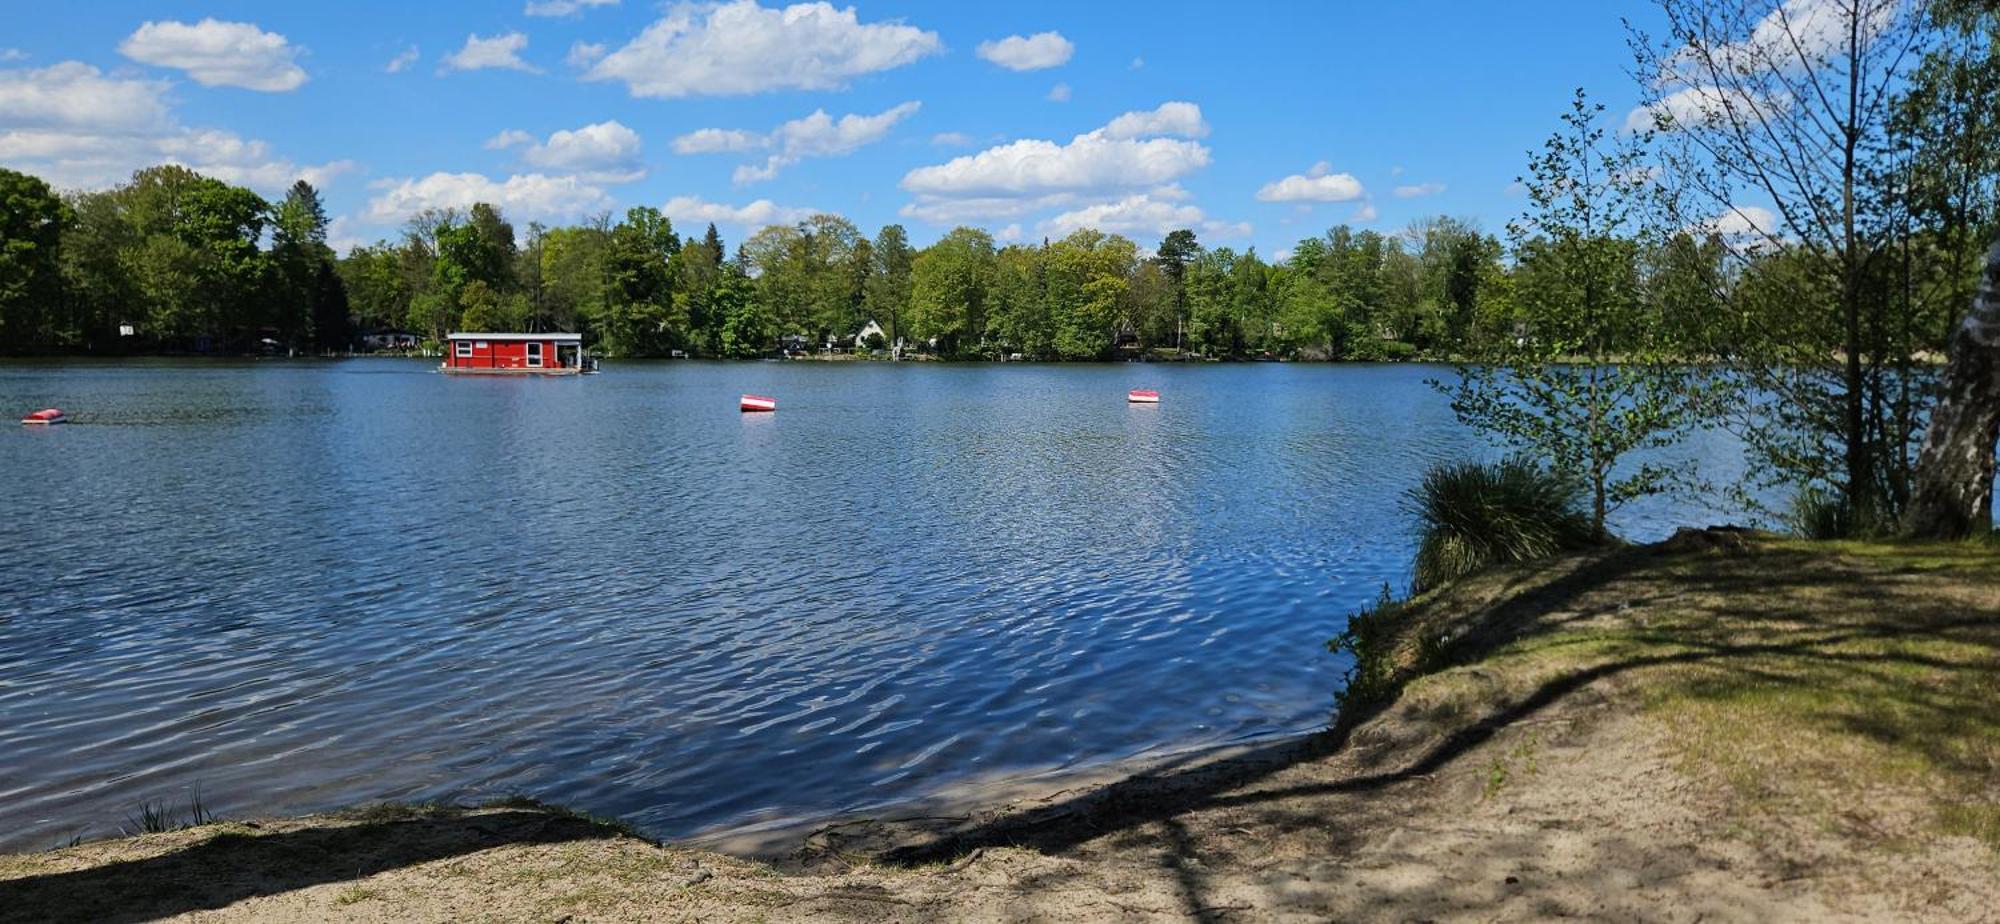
(1733, 730)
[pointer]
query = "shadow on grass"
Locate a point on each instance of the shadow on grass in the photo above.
(234, 865)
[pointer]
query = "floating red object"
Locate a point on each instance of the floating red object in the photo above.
(46, 416)
(752, 403)
(1143, 396)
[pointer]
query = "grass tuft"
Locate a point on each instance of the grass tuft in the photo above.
(160, 817)
(1474, 515)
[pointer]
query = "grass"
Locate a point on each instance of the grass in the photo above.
(1473, 516)
(160, 817)
(1842, 686)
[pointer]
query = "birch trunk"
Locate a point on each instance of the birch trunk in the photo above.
(1954, 489)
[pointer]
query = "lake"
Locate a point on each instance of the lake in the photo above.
(300, 585)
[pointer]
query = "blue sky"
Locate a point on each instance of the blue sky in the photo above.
(1256, 124)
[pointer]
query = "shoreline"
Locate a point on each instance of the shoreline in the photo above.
(780, 840)
(1713, 727)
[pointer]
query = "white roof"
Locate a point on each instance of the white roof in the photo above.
(565, 338)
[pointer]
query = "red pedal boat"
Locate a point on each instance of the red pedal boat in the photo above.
(45, 417)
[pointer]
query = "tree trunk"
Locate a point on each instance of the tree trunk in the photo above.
(1954, 490)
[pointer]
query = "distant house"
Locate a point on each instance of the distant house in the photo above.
(795, 343)
(870, 329)
(389, 339)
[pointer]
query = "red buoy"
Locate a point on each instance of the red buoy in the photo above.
(752, 403)
(1143, 396)
(46, 416)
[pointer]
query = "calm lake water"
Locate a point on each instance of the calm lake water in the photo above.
(303, 585)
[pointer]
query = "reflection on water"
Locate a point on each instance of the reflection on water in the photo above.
(304, 585)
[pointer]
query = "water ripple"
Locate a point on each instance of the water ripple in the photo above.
(299, 585)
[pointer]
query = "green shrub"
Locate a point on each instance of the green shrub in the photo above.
(1387, 649)
(1817, 514)
(1474, 515)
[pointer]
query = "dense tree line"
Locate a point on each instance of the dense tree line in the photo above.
(170, 260)
(186, 262)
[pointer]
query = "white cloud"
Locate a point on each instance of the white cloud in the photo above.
(562, 7)
(8, 55)
(1142, 215)
(1030, 52)
(74, 96)
(341, 236)
(499, 51)
(1364, 214)
(1138, 63)
(1059, 93)
(1008, 234)
(815, 135)
(1743, 225)
(958, 211)
(246, 162)
(1700, 106)
(1037, 167)
(694, 210)
(1320, 184)
(1030, 175)
(77, 128)
(524, 196)
(1793, 36)
(952, 140)
(584, 54)
(718, 141)
(603, 152)
(508, 139)
(1418, 190)
(740, 47)
(218, 54)
(1176, 118)
(402, 60)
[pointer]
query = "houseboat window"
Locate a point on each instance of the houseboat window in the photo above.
(534, 353)
(464, 347)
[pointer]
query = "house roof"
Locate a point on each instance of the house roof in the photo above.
(559, 338)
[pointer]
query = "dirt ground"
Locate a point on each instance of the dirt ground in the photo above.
(1650, 735)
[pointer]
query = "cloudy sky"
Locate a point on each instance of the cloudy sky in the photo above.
(1254, 124)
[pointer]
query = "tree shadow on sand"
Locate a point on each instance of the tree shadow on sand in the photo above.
(237, 864)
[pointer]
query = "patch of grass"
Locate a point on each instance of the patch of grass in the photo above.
(1473, 516)
(388, 812)
(1518, 760)
(617, 827)
(354, 894)
(160, 817)
(1820, 686)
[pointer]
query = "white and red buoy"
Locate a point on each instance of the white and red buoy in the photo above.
(757, 403)
(46, 416)
(1142, 396)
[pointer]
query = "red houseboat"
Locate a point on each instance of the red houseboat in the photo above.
(516, 354)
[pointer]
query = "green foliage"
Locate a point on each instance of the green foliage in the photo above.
(1591, 374)
(32, 221)
(1472, 516)
(747, 330)
(949, 282)
(1376, 637)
